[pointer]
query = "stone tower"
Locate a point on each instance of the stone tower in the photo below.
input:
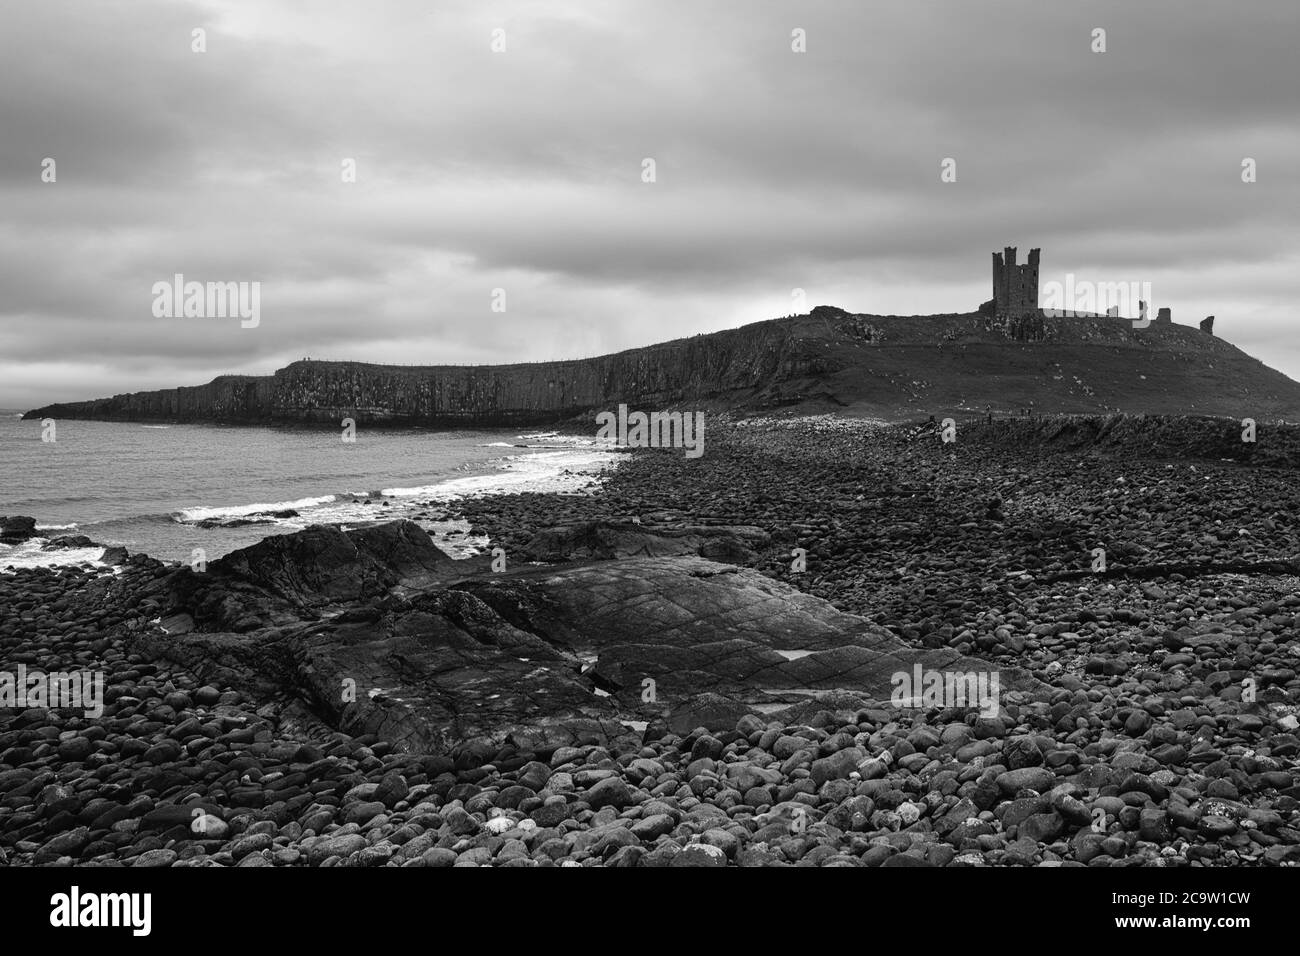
(1015, 288)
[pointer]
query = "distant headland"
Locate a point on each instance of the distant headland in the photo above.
(1008, 354)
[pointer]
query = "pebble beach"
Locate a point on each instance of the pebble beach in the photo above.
(1165, 732)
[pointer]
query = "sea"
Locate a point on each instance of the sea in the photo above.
(167, 490)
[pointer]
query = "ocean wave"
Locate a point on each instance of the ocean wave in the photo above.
(29, 555)
(556, 440)
(546, 471)
(190, 515)
(567, 468)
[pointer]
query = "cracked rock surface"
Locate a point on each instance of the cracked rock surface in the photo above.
(377, 632)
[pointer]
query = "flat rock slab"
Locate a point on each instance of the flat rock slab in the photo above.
(672, 601)
(691, 624)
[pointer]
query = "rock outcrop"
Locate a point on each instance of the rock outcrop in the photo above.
(1154, 436)
(378, 632)
(15, 529)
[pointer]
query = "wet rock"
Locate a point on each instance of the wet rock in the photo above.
(15, 529)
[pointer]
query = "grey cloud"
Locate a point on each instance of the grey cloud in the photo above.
(522, 169)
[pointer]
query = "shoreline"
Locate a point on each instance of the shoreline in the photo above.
(556, 463)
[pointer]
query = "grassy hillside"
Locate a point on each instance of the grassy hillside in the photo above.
(903, 366)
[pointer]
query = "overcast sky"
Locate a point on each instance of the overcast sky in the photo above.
(522, 170)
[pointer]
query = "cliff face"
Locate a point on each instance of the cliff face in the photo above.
(687, 370)
(885, 366)
(698, 369)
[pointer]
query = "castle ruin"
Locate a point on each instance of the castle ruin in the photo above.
(1015, 298)
(1015, 287)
